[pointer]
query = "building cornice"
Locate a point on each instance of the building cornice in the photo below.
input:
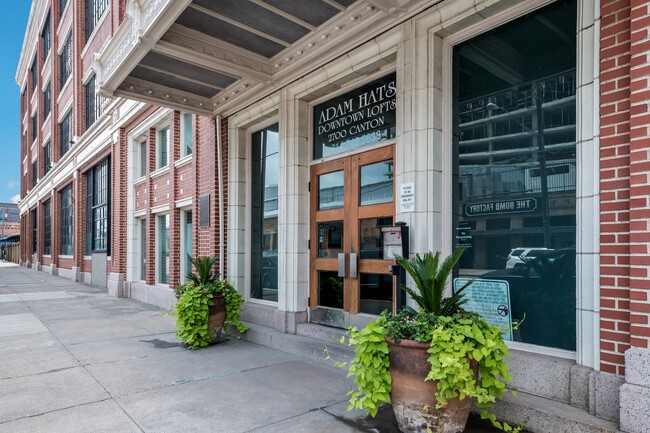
(28, 48)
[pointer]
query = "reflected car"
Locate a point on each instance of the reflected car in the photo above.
(518, 256)
(544, 290)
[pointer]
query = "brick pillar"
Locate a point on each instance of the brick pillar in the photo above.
(151, 220)
(118, 203)
(614, 184)
(639, 175)
(79, 221)
(174, 214)
(224, 182)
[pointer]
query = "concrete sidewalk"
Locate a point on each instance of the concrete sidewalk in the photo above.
(73, 359)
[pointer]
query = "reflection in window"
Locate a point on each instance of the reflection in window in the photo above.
(376, 183)
(330, 289)
(264, 214)
(330, 239)
(163, 249)
(370, 237)
(330, 190)
(376, 293)
(515, 146)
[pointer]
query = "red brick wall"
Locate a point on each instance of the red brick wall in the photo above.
(206, 184)
(224, 180)
(623, 180)
(118, 204)
(639, 174)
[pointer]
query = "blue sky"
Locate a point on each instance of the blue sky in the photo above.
(13, 22)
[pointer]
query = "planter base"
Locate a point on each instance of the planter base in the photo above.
(216, 318)
(414, 399)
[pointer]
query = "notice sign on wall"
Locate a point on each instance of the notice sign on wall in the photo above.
(407, 197)
(358, 118)
(490, 299)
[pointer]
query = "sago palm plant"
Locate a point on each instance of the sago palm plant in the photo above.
(430, 276)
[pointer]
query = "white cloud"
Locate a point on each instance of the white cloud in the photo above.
(15, 199)
(12, 184)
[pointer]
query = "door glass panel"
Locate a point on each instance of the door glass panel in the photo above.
(376, 293)
(376, 183)
(370, 240)
(330, 289)
(330, 239)
(330, 190)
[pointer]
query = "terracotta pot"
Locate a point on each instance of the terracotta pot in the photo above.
(216, 317)
(414, 399)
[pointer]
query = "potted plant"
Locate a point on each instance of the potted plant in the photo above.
(205, 304)
(432, 362)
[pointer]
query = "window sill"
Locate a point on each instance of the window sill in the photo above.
(159, 172)
(183, 161)
(140, 180)
(65, 256)
(63, 89)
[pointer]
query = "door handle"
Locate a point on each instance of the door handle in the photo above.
(353, 265)
(341, 265)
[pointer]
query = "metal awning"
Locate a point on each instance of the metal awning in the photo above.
(201, 55)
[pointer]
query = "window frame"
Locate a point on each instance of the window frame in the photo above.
(67, 221)
(162, 253)
(65, 62)
(186, 149)
(47, 157)
(47, 100)
(34, 71)
(93, 12)
(47, 229)
(46, 34)
(65, 134)
(162, 152)
(98, 228)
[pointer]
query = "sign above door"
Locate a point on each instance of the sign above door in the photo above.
(358, 118)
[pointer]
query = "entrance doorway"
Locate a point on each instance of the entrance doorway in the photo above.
(351, 199)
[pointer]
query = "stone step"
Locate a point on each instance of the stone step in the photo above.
(542, 415)
(316, 346)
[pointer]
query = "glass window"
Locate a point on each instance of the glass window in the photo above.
(163, 249)
(34, 172)
(330, 190)
(62, 5)
(515, 160)
(66, 221)
(143, 158)
(187, 132)
(94, 11)
(47, 158)
(376, 293)
(65, 131)
(34, 231)
(34, 71)
(186, 255)
(376, 183)
(162, 145)
(143, 249)
(47, 101)
(94, 103)
(98, 211)
(370, 237)
(34, 127)
(330, 239)
(47, 37)
(65, 61)
(47, 230)
(264, 218)
(330, 289)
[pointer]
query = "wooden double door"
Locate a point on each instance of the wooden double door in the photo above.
(351, 199)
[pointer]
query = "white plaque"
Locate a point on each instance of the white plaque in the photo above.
(490, 299)
(407, 197)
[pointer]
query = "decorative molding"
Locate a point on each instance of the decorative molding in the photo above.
(140, 90)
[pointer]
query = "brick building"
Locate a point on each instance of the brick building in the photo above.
(287, 137)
